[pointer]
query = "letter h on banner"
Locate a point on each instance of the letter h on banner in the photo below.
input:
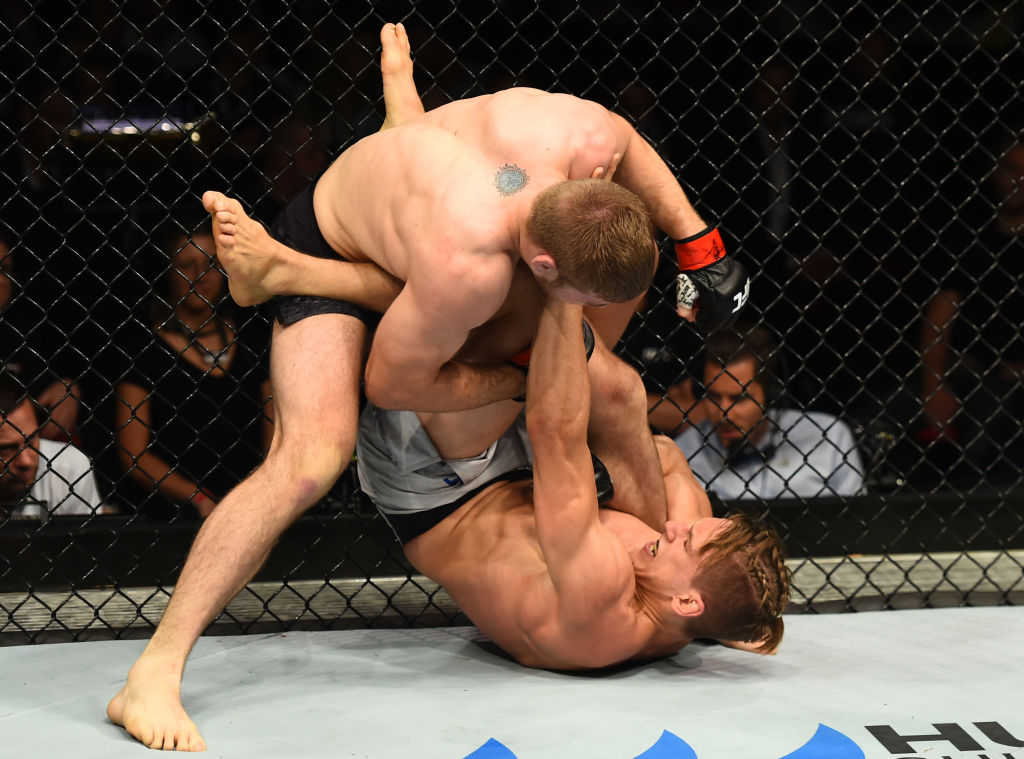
(948, 731)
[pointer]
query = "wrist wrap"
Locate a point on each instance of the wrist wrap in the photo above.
(700, 250)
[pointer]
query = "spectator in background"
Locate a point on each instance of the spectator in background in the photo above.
(192, 411)
(750, 447)
(971, 343)
(32, 351)
(39, 478)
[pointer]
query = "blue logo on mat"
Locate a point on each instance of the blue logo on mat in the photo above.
(826, 743)
(492, 750)
(669, 746)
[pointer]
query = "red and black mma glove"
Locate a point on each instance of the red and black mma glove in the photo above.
(521, 360)
(720, 284)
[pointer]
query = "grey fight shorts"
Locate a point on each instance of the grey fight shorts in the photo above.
(409, 482)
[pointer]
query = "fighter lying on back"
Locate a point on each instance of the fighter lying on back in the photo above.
(532, 560)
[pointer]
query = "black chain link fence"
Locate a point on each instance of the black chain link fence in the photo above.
(865, 161)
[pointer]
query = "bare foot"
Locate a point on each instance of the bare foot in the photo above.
(401, 101)
(249, 255)
(149, 708)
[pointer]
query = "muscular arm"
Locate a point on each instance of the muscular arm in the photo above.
(588, 567)
(642, 171)
(410, 364)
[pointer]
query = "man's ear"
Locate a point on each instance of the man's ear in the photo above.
(688, 604)
(544, 268)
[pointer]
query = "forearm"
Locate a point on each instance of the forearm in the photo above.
(558, 383)
(579, 553)
(644, 172)
(455, 386)
(151, 471)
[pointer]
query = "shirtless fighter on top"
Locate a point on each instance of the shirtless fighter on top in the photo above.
(451, 202)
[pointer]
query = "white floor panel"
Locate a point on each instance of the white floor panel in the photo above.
(955, 675)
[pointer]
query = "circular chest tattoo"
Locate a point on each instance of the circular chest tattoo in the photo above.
(510, 179)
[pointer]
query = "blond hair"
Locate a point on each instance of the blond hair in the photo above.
(744, 582)
(599, 235)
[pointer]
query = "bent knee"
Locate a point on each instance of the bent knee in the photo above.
(619, 384)
(308, 468)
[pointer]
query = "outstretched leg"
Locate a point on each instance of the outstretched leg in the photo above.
(315, 367)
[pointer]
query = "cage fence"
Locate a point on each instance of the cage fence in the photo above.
(864, 160)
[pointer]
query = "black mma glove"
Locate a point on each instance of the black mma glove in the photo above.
(521, 360)
(720, 284)
(602, 481)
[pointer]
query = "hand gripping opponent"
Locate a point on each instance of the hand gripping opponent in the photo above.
(720, 284)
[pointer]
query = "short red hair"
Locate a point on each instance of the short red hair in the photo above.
(600, 236)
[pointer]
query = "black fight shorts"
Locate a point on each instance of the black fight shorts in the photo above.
(296, 227)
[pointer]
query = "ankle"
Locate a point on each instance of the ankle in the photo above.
(151, 666)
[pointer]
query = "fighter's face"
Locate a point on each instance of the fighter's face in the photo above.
(734, 401)
(19, 455)
(673, 558)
